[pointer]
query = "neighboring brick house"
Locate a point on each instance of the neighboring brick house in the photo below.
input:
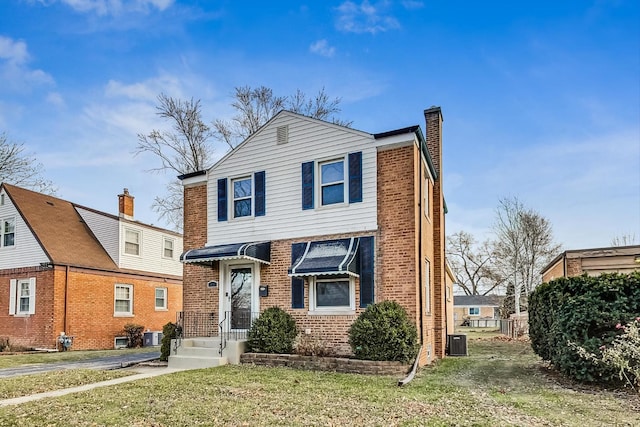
(65, 268)
(320, 220)
(616, 259)
(476, 307)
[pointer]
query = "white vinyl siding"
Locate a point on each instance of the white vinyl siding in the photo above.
(123, 300)
(152, 252)
(26, 252)
(22, 296)
(309, 140)
(106, 230)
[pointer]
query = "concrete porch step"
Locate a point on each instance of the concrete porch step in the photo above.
(196, 353)
(195, 362)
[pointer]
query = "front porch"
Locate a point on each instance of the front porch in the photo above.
(206, 340)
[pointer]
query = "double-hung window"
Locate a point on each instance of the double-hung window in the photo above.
(161, 298)
(242, 196)
(332, 182)
(131, 242)
(474, 311)
(22, 296)
(332, 293)
(123, 300)
(167, 248)
(8, 232)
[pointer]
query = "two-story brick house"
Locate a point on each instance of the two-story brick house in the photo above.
(66, 268)
(320, 220)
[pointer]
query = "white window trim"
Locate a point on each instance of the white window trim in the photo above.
(164, 247)
(232, 205)
(15, 286)
(3, 231)
(427, 286)
(427, 198)
(155, 299)
(345, 181)
(469, 311)
(325, 311)
(124, 240)
(122, 313)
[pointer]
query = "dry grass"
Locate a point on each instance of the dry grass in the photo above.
(13, 360)
(501, 383)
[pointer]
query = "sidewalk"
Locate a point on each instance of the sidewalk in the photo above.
(142, 373)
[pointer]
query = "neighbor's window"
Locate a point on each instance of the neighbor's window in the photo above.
(167, 250)
(22, 296)
(332, 182)
(161, 298)
(426, 198)
(427, 286)
(332, 293)
(131, 242)
(242, 197)
(123, 304)
(474, 311)
(8, 232)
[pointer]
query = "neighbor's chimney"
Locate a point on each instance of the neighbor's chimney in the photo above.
(433, 118)
(125, 204)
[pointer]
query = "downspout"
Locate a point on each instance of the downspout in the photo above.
(420, 260)
(66, 288)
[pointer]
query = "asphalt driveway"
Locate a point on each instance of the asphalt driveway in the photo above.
(100, 363)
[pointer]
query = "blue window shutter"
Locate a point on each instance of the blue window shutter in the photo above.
(307, 185)
(355, 177)
(222, 199)
(367, 283)
(260, 193)
(297, 283)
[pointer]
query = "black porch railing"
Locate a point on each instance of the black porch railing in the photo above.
(235, 326)
(197, 324)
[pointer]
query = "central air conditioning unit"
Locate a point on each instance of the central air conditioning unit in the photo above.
(457, 345)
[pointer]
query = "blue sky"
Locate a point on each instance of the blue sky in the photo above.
(541, 100)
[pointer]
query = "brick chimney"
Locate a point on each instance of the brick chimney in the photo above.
(125, 204)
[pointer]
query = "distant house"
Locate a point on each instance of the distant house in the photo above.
(617, 259)
(476, 307)
(66, 268)
(321, 220)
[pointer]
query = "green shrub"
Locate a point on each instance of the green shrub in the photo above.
(134, 335)
(170, 331)
(273, 332)
(383, 332)
(582, 312)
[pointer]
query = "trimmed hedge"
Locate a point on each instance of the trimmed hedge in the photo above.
(581, 311)
(273, 332)
(170, 331)
(383, 332)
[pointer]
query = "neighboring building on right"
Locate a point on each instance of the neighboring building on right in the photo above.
(476, 307)
(593, 262)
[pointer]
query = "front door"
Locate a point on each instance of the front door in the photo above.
(240, 296)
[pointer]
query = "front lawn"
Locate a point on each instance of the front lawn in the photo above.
(501, 383)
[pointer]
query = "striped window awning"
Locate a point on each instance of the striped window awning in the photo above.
(255, 251)
(327, 257)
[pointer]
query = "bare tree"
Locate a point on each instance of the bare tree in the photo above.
(187, 146)
(21, 168)
(255, 107)
(472, 263)
(627, 239)
(523, 247)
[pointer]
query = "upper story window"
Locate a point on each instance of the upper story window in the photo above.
(8, 232)
(1, 199)
(167, 248)
(332, 182)
(123, 300)
(131, 242)
(242, 197)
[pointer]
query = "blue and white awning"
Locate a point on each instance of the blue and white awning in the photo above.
(257, 251)
(327, 257)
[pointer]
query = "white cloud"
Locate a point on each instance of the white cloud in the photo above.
(56, 99)
(365, 17)
(14, 70)
(147, 90)
(112, 7)
(321, 47)
(412, 4)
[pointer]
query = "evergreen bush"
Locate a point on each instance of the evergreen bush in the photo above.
(383, 332)
(582, 312)
(170, 331)
(274, 331)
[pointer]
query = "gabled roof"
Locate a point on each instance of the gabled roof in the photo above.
(59, 229)
(477, 300)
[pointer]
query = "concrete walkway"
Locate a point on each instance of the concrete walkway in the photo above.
(142, 373)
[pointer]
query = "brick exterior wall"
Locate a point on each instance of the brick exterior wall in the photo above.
(87, 312)
(574, 267)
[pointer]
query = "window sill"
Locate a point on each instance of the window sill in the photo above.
(336, 312)
(21, 315)
(162, 309)
(123, 315)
